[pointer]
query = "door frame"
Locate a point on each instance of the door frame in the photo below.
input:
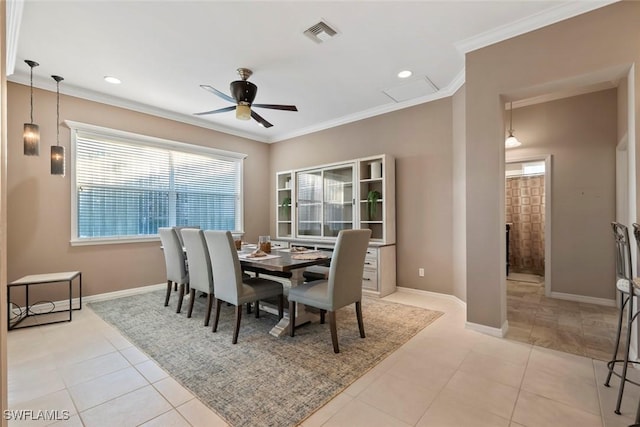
(547, 158)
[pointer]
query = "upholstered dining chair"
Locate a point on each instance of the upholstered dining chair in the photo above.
(343, 287)
(200, 275)
(230, 286)
(627, 289)
(175, 262)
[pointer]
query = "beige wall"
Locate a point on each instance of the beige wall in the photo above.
(580, 133)
(608, 37)
(420, 140)
(459, 231)
(40, 204)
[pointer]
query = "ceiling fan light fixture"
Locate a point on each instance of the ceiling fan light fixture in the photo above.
(243, 112)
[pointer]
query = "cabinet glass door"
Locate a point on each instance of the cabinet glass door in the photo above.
(338, 200)
(309, 190)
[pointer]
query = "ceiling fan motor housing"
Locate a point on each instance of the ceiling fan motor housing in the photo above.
(243, 91)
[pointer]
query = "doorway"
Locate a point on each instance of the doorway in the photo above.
(528, 221)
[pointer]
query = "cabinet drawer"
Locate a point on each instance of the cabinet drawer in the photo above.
(370, 279)
(372, 254)
(371, 263)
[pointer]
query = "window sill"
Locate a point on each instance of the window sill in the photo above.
(113, 241)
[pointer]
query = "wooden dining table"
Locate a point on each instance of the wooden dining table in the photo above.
(286, 262)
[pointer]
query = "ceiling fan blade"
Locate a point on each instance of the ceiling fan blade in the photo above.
(217, 92)
(276, 107)
(220, 110)
(257, 117)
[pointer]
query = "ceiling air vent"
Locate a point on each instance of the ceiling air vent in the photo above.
(320, 32)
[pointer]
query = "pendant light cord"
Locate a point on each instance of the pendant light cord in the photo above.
(510, 117)
(31, 92)
(57, 112)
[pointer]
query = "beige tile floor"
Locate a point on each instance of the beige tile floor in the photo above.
(445, 376)
(578, 328)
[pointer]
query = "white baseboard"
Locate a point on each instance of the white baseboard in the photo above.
(585, 299)
(449, 297)
(488, 330)
(64, 304)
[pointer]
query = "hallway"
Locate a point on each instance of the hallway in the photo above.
(578, 328)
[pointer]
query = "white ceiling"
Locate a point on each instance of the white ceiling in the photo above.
(163, 50)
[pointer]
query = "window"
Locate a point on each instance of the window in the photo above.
(125, 186)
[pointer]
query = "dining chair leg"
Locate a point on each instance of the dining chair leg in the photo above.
(192, 298)
(180, 297)
(166, 298)
(359, 316)
(248, 308)
(322, 313)
(175, 286)
(334, 331)
(257, 308)
(292, 317)
(237, 328)
(280, 306)
(207, 316)
(216, 315)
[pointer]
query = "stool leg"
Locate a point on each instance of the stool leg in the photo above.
(617, 346)
(623, 379)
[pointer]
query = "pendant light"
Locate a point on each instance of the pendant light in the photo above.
(31, 134)
(57, 151)
(511, 140)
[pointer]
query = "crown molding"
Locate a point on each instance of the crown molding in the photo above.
(70, 90)
(14, 18)
(447, 91)
(530, 23)
(90, 95)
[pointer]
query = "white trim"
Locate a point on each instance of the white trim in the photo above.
(70, 90)
(488, 330)
(530, 23)
(88, 241)
(64, 304)
(115, 134)
(448, 297)
(447, 91)
(120, 136)
(14, 19)
(585, 299)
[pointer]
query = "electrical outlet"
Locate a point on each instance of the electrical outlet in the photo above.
(421, 272)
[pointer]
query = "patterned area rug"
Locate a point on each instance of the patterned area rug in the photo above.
(262, 380)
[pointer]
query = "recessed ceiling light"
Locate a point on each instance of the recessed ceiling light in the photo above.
(404, 74)
(112, 80)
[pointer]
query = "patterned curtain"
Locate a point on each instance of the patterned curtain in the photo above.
(525, 212)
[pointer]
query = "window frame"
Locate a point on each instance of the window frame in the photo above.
(119, 136)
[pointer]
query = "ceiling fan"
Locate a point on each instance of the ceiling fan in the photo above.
(244, 93)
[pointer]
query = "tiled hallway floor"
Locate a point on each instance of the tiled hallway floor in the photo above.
(578, 328)
(445, 376)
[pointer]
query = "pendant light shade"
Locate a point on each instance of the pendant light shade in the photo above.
(57, 151)
(511, 140)
(31, 134)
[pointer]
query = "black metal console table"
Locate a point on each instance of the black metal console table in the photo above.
(40, 279)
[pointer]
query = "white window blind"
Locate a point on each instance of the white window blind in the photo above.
(125, 188)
